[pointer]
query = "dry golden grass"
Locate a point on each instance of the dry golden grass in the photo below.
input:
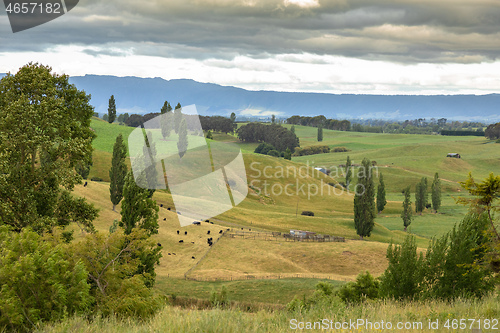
(336, 260)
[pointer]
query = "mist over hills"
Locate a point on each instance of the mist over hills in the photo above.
(144, 95)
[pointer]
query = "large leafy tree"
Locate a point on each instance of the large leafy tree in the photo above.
(381, 201)
(111, 109)
(492, 132)
(486, 196)
(364, 201)
(44, 133)
(118, 171)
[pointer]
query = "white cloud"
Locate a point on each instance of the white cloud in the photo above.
(286, 72)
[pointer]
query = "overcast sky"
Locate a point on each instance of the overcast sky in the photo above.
(337, 46)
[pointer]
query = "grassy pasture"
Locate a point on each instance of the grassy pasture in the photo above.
(403, 159)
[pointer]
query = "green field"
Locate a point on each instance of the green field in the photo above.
(402, 159)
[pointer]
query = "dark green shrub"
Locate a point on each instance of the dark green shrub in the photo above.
(307, 213)
(264, 148)
(274, 153)
(40, 280)
(311, 150)
(340, 150)
(209, 135)
(96, 179)
(219, 299)
(365, 287)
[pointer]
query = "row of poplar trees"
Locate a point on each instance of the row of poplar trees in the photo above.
(366, 208)
(421, 199)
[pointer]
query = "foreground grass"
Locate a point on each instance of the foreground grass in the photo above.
(175, 319)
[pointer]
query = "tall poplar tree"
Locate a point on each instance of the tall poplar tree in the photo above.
(182, 144)
(166, 107)
(118, 171)
(364, 201)
(165, 124)
(348, 175)
(381, 201)
(436, 193)
(406, 215)
(111, 109)
(320, 133)
(138, 211)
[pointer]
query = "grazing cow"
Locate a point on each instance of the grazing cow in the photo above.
(192, 242)
(169, 254)
(173, 253)
(208, 221)
(164, 219)
(177, 232)
(208, 232)
(210, 243)
(185, 232)
(241, 228)
(220, 231)
(209, 239)
(85, 185)
(159, 244)
(161, 205)
(168, 208)
(193, 258)
(249, 229)
(181, 241)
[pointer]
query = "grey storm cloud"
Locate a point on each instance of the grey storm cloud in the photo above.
(399, 30)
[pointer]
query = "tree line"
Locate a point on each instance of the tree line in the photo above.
(317, 121)
(278, 136)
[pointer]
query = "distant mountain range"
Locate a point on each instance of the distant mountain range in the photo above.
(144, 95)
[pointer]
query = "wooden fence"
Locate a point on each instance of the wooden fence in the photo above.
(276, 276)
(278, 236)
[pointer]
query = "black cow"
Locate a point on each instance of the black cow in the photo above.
(185, 232)
(161, 205)
(177, 232)
(220, 231)
(85, 185)
(208, 232)
(181, 241)
(193, 258)
(164, 219)
(159, 244)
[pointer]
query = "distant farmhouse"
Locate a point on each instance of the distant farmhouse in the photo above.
(323, 170)
(455, 155)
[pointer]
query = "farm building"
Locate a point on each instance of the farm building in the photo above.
(455, 155)
(302, 233)
(322, 170)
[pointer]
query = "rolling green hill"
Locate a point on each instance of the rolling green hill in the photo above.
(403, 159)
